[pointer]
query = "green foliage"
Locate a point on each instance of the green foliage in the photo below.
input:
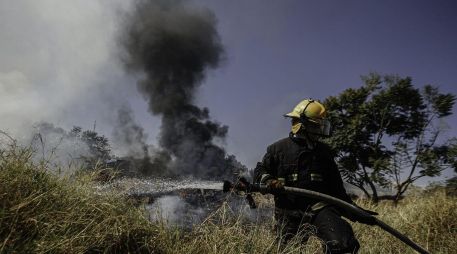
(388, 128)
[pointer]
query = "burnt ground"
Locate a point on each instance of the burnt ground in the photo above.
(188, 207)
(187, 202)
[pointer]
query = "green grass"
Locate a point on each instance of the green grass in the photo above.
(41, 213)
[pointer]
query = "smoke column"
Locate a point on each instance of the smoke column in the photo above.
(130, 142)
(129, 137)
(173, 45)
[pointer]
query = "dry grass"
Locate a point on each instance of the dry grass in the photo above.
(429, 219)
(40, 213)
(224, 232)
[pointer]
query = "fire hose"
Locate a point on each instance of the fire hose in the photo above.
(243, 185)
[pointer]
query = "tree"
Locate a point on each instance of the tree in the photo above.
(386, 133)
(98, 144)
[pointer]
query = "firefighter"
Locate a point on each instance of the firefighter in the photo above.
(302, 161)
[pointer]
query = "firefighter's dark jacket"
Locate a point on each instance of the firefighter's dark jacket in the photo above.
(292, 161)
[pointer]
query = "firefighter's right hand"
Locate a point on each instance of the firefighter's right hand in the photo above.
(275, 185)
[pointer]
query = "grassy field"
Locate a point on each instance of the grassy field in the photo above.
(40, 213)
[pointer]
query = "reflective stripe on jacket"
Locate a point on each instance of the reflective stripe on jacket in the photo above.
(292, 161)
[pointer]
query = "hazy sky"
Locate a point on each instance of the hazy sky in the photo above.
(59, 61)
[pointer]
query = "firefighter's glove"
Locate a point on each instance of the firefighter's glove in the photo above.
(274, 185)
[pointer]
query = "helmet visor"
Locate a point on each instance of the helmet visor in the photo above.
(326, 128)
(320, 127)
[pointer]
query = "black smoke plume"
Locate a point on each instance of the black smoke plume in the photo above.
(130, 140)
(173, 45)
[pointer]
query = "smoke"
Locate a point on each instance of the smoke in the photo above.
(61, 150)
(58, 64)
(190, 207)
(129, 140)
(175, 211)
(129, 137)
(173, 45)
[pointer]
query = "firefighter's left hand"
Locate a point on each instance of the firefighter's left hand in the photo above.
(275, 185)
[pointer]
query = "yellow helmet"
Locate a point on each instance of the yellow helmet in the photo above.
(311, 118)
